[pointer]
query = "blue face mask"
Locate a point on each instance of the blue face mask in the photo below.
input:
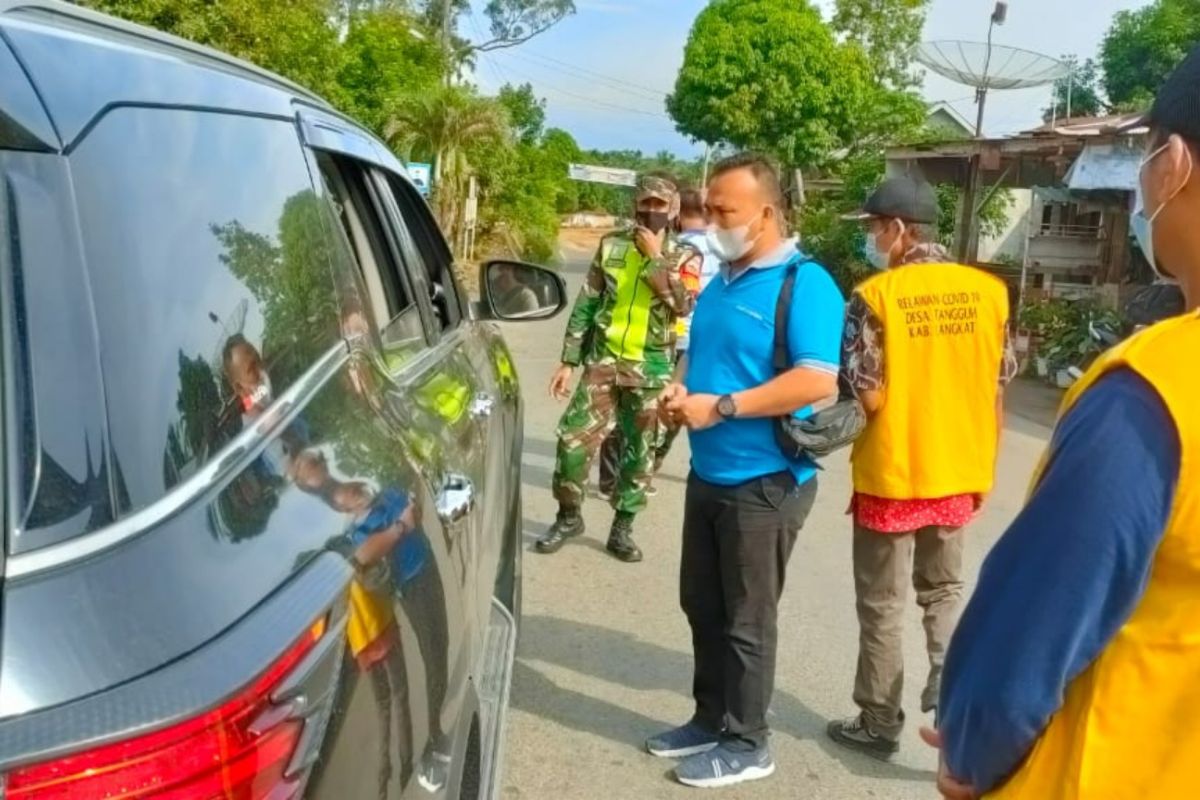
(1143, 225)
(880, 259)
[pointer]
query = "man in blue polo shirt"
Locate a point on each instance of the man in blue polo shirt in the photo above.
(746, 501)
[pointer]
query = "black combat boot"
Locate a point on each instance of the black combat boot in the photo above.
(620, 539)
(568, 523)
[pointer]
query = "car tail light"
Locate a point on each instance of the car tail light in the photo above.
(238, 751)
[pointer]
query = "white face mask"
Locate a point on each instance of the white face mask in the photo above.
(1143, 226)
(730, 244)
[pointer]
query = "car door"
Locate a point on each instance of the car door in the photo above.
(477, 350)
(421, 390)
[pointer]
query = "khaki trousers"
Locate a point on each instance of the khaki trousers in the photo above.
(884, 563)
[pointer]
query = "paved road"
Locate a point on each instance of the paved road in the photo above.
(605, 658)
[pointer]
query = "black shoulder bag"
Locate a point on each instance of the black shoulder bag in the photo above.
(837, 421)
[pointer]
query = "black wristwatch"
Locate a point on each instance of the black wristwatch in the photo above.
(726, 407)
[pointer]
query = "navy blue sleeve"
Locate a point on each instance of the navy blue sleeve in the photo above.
(1062, 579)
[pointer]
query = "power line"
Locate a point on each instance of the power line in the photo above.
(591, 100)
(562, 66)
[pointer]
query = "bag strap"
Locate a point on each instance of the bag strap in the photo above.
(783, 312)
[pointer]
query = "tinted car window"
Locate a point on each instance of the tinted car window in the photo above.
(209, 264)
(426, 249)
(389, 298)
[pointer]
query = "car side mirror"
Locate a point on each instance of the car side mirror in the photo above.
(520, 292)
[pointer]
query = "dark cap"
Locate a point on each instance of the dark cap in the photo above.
(1177, 105)
(903, 198)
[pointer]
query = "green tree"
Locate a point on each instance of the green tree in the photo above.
(447, 123)
(770, 75)
(526, 111)
(383, 59)
(1142, 47)
(1081, 92)
(514, 22)
(887, 30)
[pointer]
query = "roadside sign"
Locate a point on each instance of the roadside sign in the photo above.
(421, 175)
(610, 175)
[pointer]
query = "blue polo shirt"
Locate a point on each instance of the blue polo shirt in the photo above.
(732, 349)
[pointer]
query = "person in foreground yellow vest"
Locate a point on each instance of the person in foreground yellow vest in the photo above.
(1076, 665)
(924, 350)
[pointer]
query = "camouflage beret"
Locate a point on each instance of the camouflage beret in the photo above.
(654, 186)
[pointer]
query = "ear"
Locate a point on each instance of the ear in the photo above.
(1169, 173)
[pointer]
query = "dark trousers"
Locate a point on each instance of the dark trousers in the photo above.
(736, 544)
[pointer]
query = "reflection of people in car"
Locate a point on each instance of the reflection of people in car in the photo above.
(512, 297)
(252, 390)
(391, 549)
(246, 375)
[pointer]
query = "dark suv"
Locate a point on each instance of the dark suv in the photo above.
(261, 462)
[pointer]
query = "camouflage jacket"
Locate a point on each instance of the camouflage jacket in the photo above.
(626, 311)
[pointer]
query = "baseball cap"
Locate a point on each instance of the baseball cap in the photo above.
(654, 186)
(1177, 106)
(905, 198)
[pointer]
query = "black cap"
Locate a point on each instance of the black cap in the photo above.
(1177, 105)
(905, 198)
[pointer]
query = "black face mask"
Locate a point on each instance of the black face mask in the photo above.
(654, 221)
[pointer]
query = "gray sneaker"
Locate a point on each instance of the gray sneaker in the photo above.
(724, 767)
(686, 740)
(855, 734)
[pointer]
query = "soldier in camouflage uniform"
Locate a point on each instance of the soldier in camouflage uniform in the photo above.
(622, 331)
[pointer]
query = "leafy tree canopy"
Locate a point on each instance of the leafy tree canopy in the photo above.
(770, 75)
(526, 111)
(1144, 46)
(1081, 93)
(887, 30)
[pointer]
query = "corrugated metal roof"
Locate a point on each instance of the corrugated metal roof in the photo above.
(1105, 166)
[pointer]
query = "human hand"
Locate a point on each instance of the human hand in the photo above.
(650, 244)
(670, 400)
(560, 382)
(698, 411)
(950, 787)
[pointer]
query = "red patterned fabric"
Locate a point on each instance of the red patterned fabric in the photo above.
(905, 516)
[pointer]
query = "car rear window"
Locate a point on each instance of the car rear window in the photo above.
(206, 251)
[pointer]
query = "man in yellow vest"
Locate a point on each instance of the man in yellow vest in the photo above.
(925, 351)
(1076, 666)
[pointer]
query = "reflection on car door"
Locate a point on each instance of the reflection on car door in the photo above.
(419, 394)
(472, 349)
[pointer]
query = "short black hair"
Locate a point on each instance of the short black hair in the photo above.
(691, 203)
(764, 171)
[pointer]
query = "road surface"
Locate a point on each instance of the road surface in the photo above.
(604, 658)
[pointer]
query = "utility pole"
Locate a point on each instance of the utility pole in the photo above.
(966, 242)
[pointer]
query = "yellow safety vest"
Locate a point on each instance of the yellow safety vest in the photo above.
(943, 339)
(1123, 732)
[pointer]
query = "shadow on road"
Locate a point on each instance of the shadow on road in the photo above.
(624, 660)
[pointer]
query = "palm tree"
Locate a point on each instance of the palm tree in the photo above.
(445, 122)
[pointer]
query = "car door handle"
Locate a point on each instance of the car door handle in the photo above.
(456, 499)
(482, 406)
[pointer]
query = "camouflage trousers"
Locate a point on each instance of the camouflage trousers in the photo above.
(598, 406)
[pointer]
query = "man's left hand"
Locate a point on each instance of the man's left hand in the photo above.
(650, 244)
(950, 787)
(697, 411)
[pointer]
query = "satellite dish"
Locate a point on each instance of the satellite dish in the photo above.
(994, 66)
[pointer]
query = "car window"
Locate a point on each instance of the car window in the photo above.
(427, 248)
(389, 298)
(210, 268)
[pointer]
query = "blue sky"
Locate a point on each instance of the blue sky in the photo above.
(605, 71)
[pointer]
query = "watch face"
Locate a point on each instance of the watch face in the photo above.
(725, 406)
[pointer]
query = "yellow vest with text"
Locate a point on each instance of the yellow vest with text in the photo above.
(943, 341)
(1124, 731)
